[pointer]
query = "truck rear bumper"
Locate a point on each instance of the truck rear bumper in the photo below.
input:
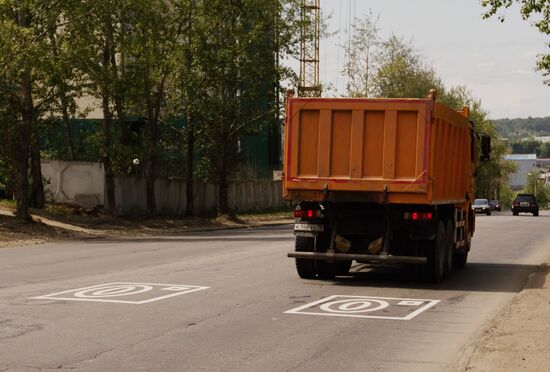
(358, 257)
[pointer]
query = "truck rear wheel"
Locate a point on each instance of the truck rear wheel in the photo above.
(436, 255)
(305, 267)
(460, 258)
(450, 249)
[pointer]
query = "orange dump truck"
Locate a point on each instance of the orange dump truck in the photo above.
(381, 181)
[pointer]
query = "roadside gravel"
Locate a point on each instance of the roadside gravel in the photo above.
(518, 339)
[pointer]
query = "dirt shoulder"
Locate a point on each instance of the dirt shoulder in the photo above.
(66, 224)
(518, 339)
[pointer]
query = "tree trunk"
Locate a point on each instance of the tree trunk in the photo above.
(37, 196)
(64, 103)
(107, 166)
(154, 107)
(107, 138)
(223, 203)
(20, 149)
(21, 157)
(151, 169)
(190, 138)
(189, 179)
(21, 153)
(68, 131)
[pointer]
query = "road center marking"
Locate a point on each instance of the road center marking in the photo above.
(123, 292)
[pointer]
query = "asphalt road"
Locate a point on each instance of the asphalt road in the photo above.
(170, 322)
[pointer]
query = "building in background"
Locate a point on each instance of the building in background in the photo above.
(525, 163)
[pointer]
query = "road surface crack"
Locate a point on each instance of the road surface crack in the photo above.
(11, 330)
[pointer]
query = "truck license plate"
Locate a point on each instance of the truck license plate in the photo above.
(308, 227)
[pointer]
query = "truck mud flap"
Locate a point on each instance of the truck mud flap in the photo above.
(358, 257)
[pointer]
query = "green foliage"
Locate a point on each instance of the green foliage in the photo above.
(544, 150)
(528, 146)
(403, 73)
(521, 128)
(361, 62)
(27, 63)
(537, 187)
(385, 68)
(506, 196)
(537, 9)
(211, 64)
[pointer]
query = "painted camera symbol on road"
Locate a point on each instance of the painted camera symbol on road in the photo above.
(366, 307)
(122, 292)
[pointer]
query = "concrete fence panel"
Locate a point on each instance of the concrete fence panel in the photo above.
(75, 182)
(83, 183)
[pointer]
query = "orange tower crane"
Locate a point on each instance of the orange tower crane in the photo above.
(309, 85)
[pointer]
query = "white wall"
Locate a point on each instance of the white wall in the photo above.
(75, 182)
(83, 183)
(519, 178)
(170, 196)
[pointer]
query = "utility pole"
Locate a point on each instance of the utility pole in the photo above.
(309, 85)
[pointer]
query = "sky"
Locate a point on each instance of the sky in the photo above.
(495, 60)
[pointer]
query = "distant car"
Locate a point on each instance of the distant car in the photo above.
(525, 203)
(495, 205)
(482, 206)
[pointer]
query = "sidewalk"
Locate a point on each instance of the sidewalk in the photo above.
(48, 228)
(518, 339)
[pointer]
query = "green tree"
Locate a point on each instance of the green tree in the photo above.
(238, 64)
(402, 71)
(506, 196)
(538, 9)
(537, 187)
(385, 68)
(97, 32)
(25, 63)
(361, 62)
(545, 150)
(526, 146)
(151, 42)
(189, 85)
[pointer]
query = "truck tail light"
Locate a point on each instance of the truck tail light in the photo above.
(307, 213)
(418, 216)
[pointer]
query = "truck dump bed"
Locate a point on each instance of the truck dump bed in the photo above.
(418, 150)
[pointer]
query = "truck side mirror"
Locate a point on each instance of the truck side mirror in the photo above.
(485, 147)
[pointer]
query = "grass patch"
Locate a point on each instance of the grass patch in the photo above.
(267, 214)
(7, 203)
(62, 209)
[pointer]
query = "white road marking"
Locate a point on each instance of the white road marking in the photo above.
(143, 292)
(365, 307)
(410, 303)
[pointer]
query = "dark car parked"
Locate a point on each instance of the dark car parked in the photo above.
(495, 205)
(482, 206)
(525, 203)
